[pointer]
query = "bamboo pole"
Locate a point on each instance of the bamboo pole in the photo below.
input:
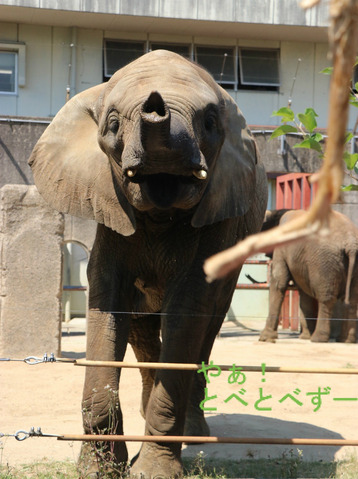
(343, 36)
(223, 367)
(209, 440)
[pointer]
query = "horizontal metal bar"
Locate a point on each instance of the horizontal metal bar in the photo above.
(210, 439)
(252, 286)
(74, 288)
(223, 367)
(260, 286)
(258, 261)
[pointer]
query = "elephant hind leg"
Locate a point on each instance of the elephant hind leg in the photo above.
(323, 326)
(145, 341)
(349, 325)
(308, 315)
(280, 277)
(276, 297)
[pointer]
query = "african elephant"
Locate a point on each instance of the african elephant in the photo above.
(161, 157)
(324, 269)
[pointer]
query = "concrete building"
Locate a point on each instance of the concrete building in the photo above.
(266, 53)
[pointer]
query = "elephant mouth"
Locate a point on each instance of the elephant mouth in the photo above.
(162, 189)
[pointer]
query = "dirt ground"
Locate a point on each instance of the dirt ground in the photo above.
(49, 396)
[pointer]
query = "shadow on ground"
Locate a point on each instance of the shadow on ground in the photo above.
(245, 425)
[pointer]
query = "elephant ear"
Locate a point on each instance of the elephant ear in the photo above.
(231, 188)
(73, 174)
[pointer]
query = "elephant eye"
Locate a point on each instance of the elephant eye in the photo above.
(210, 120)
(113, 123)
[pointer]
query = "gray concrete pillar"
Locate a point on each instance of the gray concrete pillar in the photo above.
(31, 237)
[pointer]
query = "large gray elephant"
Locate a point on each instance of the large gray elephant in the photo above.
(161, 157)
(325, 271)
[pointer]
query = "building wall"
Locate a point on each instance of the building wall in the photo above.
(51, 50)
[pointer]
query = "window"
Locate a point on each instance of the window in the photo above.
(220, 62)
(12, 67)
(120, 53)
(259, 68)
(8, 72)
(236, 68)
(183, 50)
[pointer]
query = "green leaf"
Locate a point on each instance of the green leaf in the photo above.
(309, 143)
(348, 138)
(317, 137)
(308, 119)
(350, 188)
(353, 97)
(286, 114)
(350, 159)
(282, 130)
(327, 71)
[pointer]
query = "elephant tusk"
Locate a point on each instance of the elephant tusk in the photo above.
(201, 174)
(131, 173)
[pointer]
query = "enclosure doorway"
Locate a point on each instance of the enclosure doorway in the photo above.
(74, 281)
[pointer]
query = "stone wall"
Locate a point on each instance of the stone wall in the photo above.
(17, 139)
(31, 237)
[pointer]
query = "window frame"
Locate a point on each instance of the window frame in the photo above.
(224, 83)
(15, 73)
(237, 84)
(19, 49)
(115, 40)
(178, 44)
(247, 84)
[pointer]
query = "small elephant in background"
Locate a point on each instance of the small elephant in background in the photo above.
(161, 157)
(325, 271)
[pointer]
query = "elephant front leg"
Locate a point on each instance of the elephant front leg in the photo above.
(195, 422)
(144, 337)
(165, 417)
(168, 402)
(106, 340)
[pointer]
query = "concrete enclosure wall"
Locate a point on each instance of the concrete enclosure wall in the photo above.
(31, 236)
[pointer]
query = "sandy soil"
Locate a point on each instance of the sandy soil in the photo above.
(49, 395)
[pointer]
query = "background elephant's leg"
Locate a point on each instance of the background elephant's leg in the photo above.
(106, 340)
(308, 315)
(280, 277)
(349, 325)
(323, 326)
(144, 337)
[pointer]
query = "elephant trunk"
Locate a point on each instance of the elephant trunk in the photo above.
(155, 123)
(162, 144)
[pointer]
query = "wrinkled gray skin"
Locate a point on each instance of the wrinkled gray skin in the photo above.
(127, 153)
(325, 271)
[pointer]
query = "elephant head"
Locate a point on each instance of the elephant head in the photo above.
(161, 134)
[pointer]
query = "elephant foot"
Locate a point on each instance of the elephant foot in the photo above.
(156, 461)
(320, 337)
(268, 335)
(350, 340)
(305, 335)
(96, 460)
